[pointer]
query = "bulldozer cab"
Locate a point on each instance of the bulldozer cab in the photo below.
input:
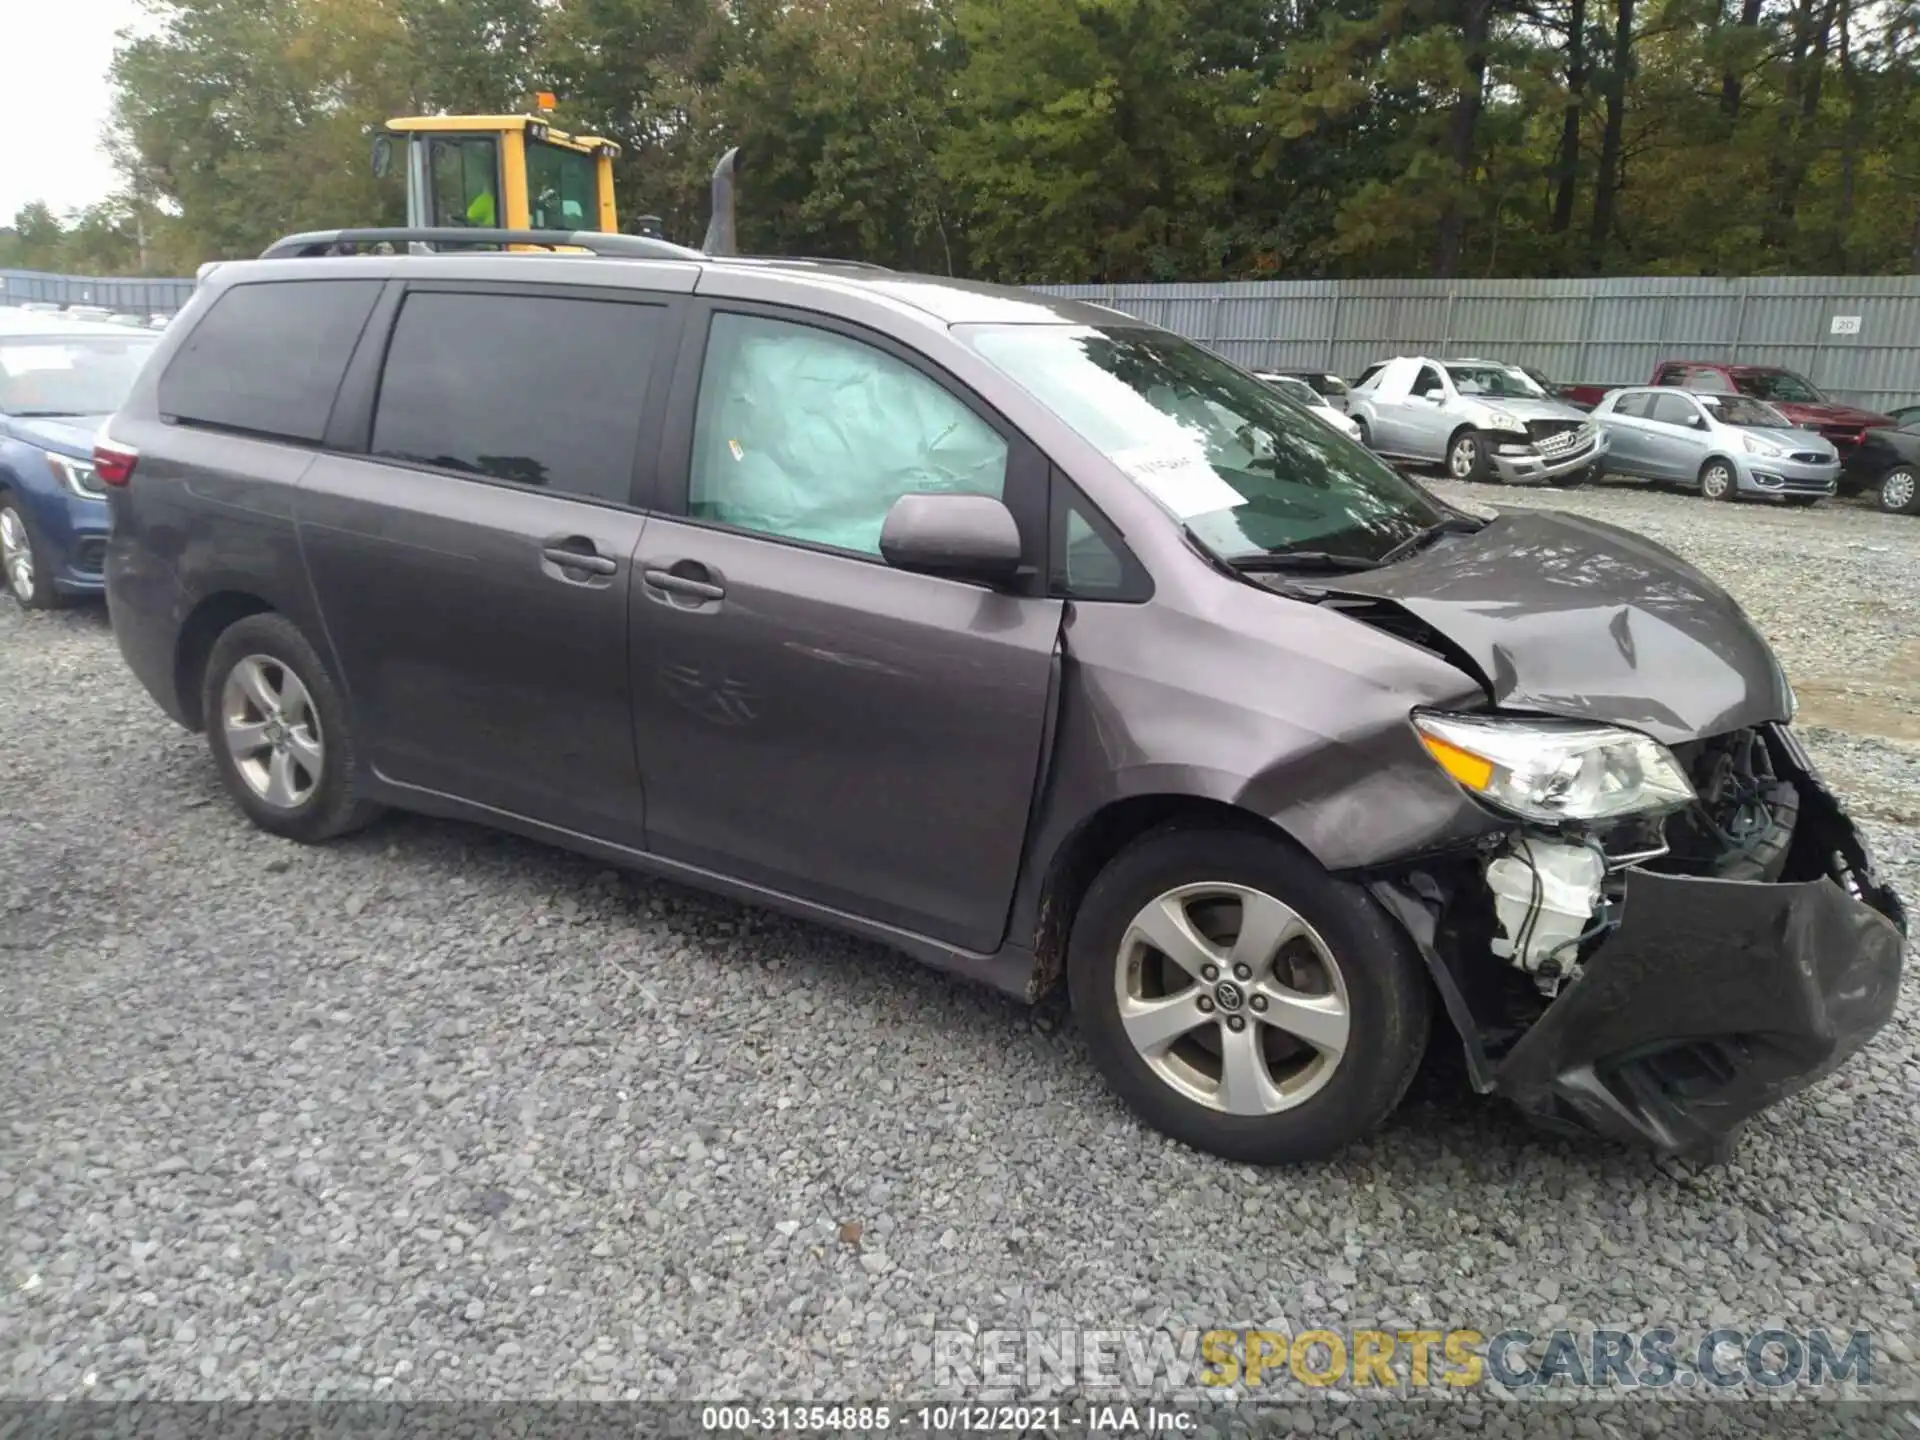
(513, 172)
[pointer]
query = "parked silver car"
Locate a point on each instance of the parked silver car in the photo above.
(1721, 445)
(1482, 419)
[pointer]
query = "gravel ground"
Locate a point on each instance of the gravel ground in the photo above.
(434, 1112)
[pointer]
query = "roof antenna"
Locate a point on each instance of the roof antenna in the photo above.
(721, 238)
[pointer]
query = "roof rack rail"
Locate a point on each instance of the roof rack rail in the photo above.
(598, 242)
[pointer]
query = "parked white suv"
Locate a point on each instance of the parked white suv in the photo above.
(1482, 419)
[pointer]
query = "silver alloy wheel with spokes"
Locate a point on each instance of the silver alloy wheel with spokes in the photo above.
(1716, 482)
(1464, 458)
(1232, 998)
(1897, 490)
(16, 553)
(272, 731)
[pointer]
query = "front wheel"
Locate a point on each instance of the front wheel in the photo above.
(1899, 492)
(1717, 481)
(1242, 1000)
(278, 728)
(1467, 456)
(25, 575)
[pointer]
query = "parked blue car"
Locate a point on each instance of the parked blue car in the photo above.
(59, 379)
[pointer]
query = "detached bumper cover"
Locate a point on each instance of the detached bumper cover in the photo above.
(1716, 998)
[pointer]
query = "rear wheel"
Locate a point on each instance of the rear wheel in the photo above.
(279, 732)
(1467, 456)
(26, 576)
(1717, 481)
(1899, 492)
(1243, 1001)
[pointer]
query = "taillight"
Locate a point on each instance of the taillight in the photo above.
(112, 463)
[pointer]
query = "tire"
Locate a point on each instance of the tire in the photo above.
(276, 784)
(1366, 435)
(1299, 1101)
(1718, 481)
(1899, 491)
(23, 573)
(1467, 456)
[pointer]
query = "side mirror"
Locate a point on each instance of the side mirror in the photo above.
(961, 537)
(382, 156)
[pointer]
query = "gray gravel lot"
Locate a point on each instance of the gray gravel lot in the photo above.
(435, 1112)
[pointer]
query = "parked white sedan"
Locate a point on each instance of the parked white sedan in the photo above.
(1308, 398)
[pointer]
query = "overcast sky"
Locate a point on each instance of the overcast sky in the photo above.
(58, 55)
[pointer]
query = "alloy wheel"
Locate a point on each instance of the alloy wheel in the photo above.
(272, 731)
(1464, 458)
(1232, 998)
(1717, 482)
(1897, 490)
(16, 554)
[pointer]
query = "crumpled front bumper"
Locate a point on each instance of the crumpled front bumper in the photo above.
(1713, 999)
(1532, 465)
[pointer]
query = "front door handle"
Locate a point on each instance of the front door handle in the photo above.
(688, 585)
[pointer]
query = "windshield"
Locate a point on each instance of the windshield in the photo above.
(1498, 380)
(1744, 410)
(1778, 385)
(1249, 474)
(50, 375)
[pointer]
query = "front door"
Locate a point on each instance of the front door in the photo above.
(1674, 437)
(474, 569)
(808, 718)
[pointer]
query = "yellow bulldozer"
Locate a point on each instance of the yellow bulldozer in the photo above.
(517, 172)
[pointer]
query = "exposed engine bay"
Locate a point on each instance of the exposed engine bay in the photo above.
(1554, 894)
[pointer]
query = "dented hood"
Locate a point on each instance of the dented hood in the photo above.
(1568, 616)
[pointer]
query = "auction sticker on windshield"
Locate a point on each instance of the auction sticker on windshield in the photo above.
(1180, 480)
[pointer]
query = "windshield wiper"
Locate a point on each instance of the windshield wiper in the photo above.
(45, 414)
(1450, 525)
(1302, 560)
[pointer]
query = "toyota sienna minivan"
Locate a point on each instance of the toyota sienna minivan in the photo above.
(1032, 640)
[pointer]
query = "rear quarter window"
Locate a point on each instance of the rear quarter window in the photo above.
(268, 357)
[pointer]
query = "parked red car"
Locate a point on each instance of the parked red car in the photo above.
(1792, 395)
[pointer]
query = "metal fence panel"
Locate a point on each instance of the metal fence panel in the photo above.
(1856, 336)
(130, 296)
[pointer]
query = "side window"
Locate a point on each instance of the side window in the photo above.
(1669, 375)
(1429, 382)
(809, 435)
(1090, 560)
(1633, 405)
(465, 177)
(1673, 410)
(563, 187)
(533, 389)
(268, 357)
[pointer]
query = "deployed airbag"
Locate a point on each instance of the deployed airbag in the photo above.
(814, 436)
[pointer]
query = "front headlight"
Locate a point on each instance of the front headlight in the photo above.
(76, 475)
(1501, 420)
(1555, 770)
(1766, 449)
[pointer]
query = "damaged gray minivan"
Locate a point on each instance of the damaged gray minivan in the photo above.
(1014, 633)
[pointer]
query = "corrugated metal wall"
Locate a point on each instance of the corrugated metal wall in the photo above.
(141, 297)
(1607, 332)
